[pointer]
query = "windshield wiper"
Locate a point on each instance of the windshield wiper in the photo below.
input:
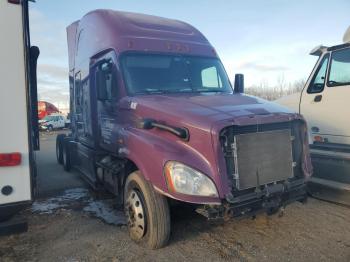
(182, 90)
(174, 91)
(164, 91)
(203, 90)
(190, 90)
(332, 82)
(149, 91)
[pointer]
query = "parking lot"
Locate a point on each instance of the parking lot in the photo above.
(70, 223)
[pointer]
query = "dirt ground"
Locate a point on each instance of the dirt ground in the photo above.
(77, 226)
(316, 231)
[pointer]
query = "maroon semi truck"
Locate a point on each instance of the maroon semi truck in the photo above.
(154, 118)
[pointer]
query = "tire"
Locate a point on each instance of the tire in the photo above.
(59, 148)
(66, 156)
(50, 128)
(154, 210)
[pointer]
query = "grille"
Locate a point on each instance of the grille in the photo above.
(264, 150)
(262, 158)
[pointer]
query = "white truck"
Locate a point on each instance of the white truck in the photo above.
(18, 112)
(53, 121)
(325, 103)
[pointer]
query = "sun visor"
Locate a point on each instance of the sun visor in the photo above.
(318, 50)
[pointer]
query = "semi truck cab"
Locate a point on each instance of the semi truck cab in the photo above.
(155, 119)
(324, 102)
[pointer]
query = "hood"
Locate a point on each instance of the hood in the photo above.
(204, 109)
(291, 101)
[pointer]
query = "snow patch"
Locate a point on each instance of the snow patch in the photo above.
(45, 207)
(105, 210)
(48, 206)
(70, 198)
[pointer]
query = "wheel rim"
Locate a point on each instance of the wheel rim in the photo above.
(135, 214)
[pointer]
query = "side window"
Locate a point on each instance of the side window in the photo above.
(318, 81)
(211, 78)
(111, 86)
(339, 72)
(106, 81)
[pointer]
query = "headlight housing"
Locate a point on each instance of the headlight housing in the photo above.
(186, 180)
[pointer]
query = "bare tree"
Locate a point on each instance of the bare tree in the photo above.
(274, 92)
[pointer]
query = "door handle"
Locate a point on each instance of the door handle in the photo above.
(318, 98)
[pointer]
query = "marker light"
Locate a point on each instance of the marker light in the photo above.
(10, 159)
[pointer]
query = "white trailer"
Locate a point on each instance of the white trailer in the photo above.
(18, 113)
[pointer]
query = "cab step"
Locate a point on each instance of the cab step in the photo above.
(330, 191)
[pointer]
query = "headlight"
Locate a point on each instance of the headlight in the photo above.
(184, 179)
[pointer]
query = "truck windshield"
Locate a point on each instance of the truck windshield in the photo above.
(49, 118)
(339, 73)
(150, 73)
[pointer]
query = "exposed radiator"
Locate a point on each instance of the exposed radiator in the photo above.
(256, 155)
(262, 158)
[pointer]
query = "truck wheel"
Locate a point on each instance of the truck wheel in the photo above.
(50, 128)
(66, 156)
(147, 212)
(59, 148)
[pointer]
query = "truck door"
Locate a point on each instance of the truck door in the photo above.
(55, 122)
(325, 101)
(83, 108)
(60, 122)
(107, 94)
(63, 121)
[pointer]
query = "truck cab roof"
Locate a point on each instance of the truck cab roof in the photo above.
(101, 30)
(320, 49)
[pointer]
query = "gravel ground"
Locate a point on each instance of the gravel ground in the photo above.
(316, 231)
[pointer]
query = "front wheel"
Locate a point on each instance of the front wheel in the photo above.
(147, 212)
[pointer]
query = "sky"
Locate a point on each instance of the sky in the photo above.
(265, 40)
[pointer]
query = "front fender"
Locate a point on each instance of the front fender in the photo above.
(150, 150)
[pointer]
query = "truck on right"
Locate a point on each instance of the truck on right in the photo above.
(325, 104)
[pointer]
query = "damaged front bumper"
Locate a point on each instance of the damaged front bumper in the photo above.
(268, 199)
